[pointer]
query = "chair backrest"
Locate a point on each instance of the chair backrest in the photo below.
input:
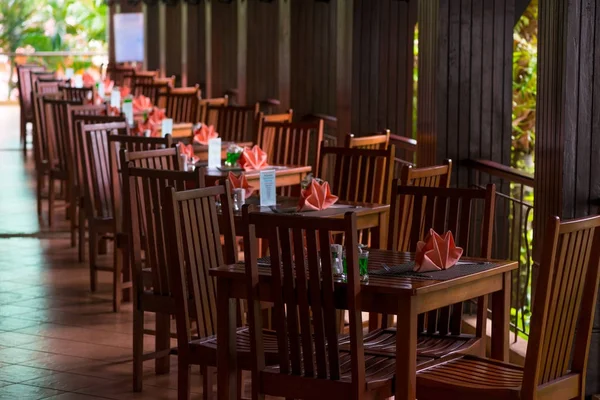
(43, 76)
(210, 118)
(25, 87)
(357, 174)
(78, 116)
(270, 118)
(304, 308)
(435, 176)
(57, 125)
(143, 200)
(445, 209)
(84, 94)
(373, 142)
(292, 143)
(565, 299)
(120, 74)
(194, 236)
(94, 151)
(235, 123)
(181, 104)
(40, 140)
(142, 77)
(152, 90)
(44, 87)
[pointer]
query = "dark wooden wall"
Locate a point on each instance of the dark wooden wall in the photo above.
(567, 182)
(224, 47)
(383, 63)
(465, 82)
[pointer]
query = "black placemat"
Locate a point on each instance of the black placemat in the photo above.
(457, 271)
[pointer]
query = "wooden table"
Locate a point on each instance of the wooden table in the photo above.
(285, 175)
(402, 296)
(368, 216)
(201, 151)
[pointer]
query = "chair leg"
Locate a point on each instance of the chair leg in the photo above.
(163, 342)
(24, 135)
(51, 185)
(102, 246)
(81, 229)
(240, 384)
(93, 250)
(481, 328)
(138, 347)
(117, 279)
(207, 383)
(40, 188)
(73, 218)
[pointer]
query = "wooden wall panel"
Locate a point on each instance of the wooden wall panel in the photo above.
(262, 56)
(313, 54)
(173, 43)
(465, 81)
(196, 46)
(383, 61)
(224, 47)
(567, 182)
(152, 37)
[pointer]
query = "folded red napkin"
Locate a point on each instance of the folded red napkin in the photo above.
(437, 253)
(240, 182)
(156, 115)
(204, 134)
(141, 103)
(88, 79)
(114, 111)
(108, 85)
(253, 159)
(125, 91)
(189, 152)
(316, 197)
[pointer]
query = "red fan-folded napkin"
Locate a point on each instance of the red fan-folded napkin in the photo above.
(141, 103)
(125, 91)
(108, 85)
(143, 126)
(240, 182)
(156, 115)
(437, 252)
(253, 159)
(189, 152)
(316, 197)
(88, 79)
(114, 111)
(204, 134)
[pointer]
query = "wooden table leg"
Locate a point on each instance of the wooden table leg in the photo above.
(501, 320)
(406, 350)
(384, 219)
(226, 351)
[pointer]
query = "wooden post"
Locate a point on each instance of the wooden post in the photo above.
(344, 49)
(283, 51)
(567, 183)
(184, 44)
(208, 49)
(242, 49)
(162, 38)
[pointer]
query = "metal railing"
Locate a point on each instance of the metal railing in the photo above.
(513, 231)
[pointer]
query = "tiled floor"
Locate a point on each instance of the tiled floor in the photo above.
(58, 340)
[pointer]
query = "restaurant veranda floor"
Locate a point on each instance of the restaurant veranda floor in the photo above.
(57, 339)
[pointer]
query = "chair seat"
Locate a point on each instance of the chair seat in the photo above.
(205, 349)
(469, 377)
(383, 341)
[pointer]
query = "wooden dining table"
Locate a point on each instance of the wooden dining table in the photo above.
(404, 296)
(368, 216)
(284, 175)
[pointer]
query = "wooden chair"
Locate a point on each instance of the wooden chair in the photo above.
(235, 123)
(195, 246)
(84, 95)
(153, 89)
(142, 77)
(211, 118)
(561, 329)
(447, 209)
(270, 118)
(120, 74)
(181, 104)
(315, 363)
(143, 195)
(79, 116)
(45, 76)
(57, 165)
(358, 175)
(25, 98)
(436, 176)
(99, 204)
(373, 142)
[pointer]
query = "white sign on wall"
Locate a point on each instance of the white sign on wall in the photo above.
(129, 37)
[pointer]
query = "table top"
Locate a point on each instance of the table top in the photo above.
(202, 148)
(288, 205)
(280, 170)
(387, 284)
